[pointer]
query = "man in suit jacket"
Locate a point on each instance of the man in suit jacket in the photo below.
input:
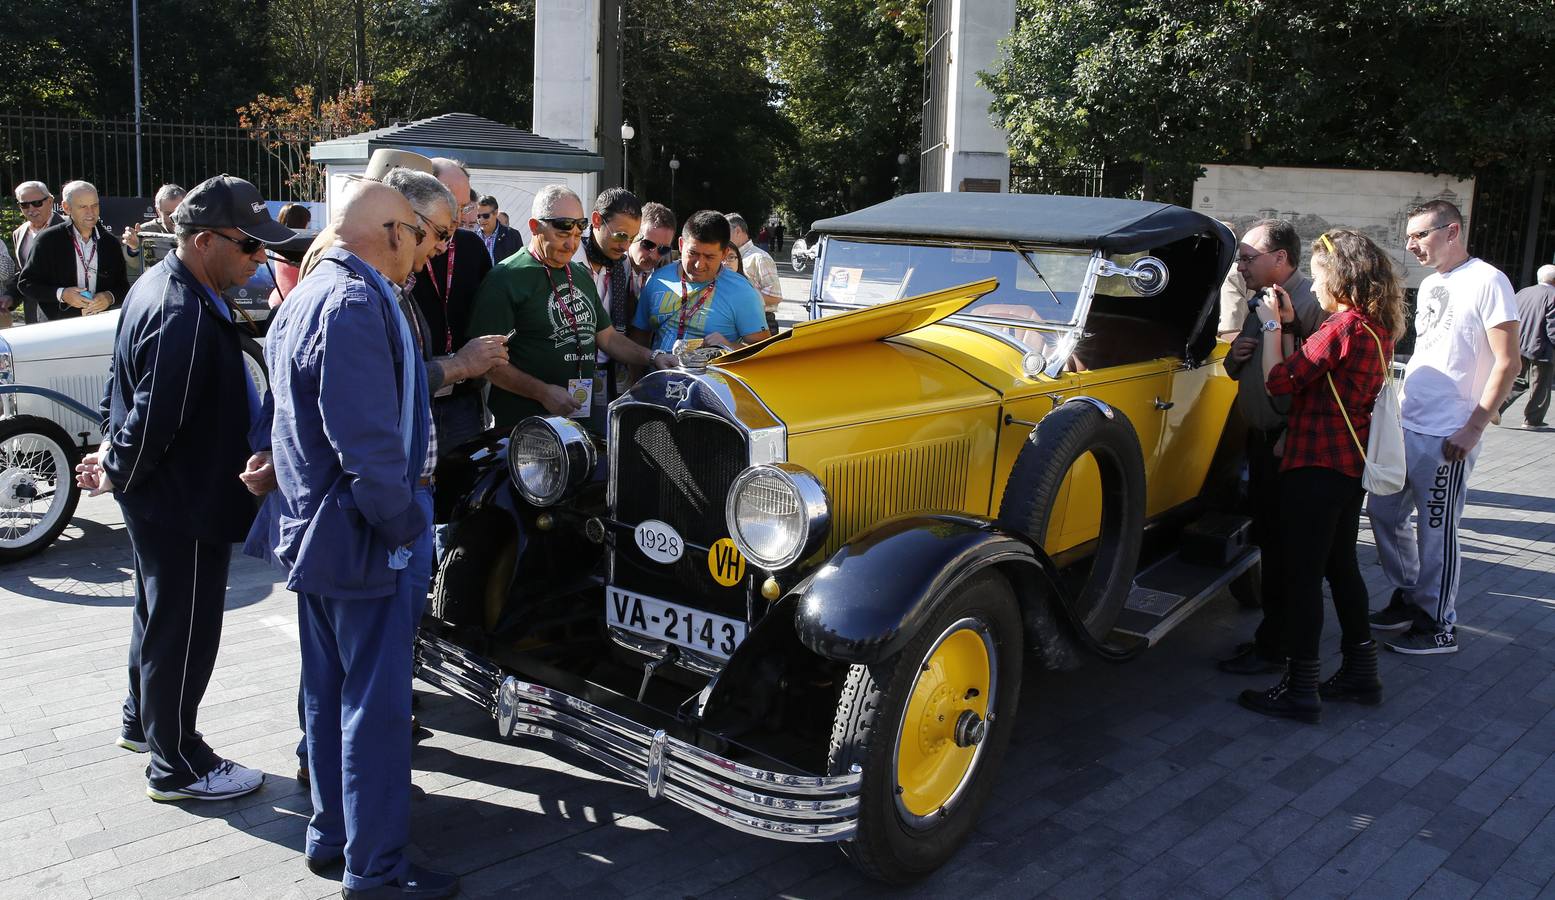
(77, 267)
(37, 205)
(501, 241)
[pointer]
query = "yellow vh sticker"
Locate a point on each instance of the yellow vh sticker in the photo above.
(725, 562)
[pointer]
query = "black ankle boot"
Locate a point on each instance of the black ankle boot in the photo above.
(1295, 697)
(1356, 681)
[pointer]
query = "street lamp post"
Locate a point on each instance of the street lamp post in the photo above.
(627, 133)
(674, 167)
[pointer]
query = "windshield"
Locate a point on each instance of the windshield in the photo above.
(1034, 285)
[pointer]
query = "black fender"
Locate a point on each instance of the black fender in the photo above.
(868, 600)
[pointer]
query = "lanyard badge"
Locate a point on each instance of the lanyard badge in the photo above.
(565, 310)
(687, 315)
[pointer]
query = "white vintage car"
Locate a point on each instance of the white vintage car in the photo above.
(51, 386)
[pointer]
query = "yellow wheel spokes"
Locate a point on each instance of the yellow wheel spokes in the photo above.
(956, 678)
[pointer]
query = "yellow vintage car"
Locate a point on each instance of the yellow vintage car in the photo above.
(796, 587)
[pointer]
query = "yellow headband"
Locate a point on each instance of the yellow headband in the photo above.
(1328, 244)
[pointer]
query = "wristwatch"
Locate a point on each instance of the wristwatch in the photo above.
(1271, 325)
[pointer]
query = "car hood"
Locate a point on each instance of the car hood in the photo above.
(64, 339)
(842, 370)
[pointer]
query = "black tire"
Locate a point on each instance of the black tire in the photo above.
(1060, 439)
(37, 461)
(472, 582)
(894, 843)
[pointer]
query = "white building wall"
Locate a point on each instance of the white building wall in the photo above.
(976, 148)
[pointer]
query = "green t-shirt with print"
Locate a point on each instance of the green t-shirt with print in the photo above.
(523, 296)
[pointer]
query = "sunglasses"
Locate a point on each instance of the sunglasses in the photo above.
(664, 249)
(437, 230)
(1422, 235)
(563, 224)
(32, 204)
(483, 216)
(248, 246)
(419, 232)
(618, 235)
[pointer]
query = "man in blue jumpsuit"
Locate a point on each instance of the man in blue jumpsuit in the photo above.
(349, 442)
(177, 411)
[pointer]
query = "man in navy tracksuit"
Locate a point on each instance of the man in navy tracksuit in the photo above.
(178, 407)
(349, 443)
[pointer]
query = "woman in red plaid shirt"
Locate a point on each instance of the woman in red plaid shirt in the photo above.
(1331, 381)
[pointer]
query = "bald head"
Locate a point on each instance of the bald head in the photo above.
(360, 227)
(452, 174)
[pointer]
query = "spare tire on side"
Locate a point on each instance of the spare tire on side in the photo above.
(1059, 440)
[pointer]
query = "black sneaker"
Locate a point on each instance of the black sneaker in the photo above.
(1419, 641)
(1398, 615)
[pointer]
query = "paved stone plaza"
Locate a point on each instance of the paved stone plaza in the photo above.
(1130, 781)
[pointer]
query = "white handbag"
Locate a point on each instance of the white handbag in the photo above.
(1384, 450)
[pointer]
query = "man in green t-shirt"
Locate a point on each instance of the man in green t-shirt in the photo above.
(551, 308)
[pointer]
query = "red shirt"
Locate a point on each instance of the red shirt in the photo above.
(1317, 434)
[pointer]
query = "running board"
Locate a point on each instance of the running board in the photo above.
(1167, 593)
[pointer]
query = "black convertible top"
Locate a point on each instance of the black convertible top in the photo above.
(1115, 226)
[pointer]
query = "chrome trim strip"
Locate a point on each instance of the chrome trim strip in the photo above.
(779, 805)
(1101, 406)
(1065, 348)
(685, 657)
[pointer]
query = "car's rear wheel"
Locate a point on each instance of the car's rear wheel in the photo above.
(929, 726)
(38, 492)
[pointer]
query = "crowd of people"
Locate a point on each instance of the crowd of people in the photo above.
(410, 301)
(1311, 355)
(419, 318)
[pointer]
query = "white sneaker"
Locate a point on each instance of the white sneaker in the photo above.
(224, 782)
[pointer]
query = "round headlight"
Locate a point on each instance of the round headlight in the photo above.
(777, 514)
(548, 456)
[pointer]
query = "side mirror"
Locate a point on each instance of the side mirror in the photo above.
(1147, 276)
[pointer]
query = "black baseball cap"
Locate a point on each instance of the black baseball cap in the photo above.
(226, 201)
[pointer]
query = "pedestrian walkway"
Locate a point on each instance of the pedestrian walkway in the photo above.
(1136, 780)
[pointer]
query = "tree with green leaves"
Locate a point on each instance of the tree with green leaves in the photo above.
(1159, 88)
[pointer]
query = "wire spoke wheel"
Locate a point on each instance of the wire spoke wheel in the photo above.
(38, 494)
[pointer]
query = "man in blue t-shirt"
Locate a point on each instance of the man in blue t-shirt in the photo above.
(699, 298)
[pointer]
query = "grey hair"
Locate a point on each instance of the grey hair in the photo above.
(422, 190)
(28, 185)
(551, 197)
(168, 192)
(1546, 274)
(183, 233)
(737, 221)
(75, 187)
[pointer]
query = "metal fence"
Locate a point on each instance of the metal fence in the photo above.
(1078, 181)
(1512, 225)
(56, 149)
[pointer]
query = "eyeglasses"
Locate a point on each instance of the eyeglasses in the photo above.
(1246, 259)
(564, 224)
(618, 235)
(483, 216)
(419, 232)
(664, 249)
(32, 204)
(248, 246)
(437, 230)
(1418, 236)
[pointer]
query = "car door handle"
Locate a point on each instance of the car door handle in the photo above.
(1163, 405)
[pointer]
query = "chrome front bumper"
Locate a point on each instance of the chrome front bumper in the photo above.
(803, 808)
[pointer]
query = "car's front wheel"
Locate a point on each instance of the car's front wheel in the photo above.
(929, 726)
(38, 492)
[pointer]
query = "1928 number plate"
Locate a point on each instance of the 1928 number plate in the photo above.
(692, 628)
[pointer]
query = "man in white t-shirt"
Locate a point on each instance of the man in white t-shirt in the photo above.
(1464, 362)
(760, 270)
